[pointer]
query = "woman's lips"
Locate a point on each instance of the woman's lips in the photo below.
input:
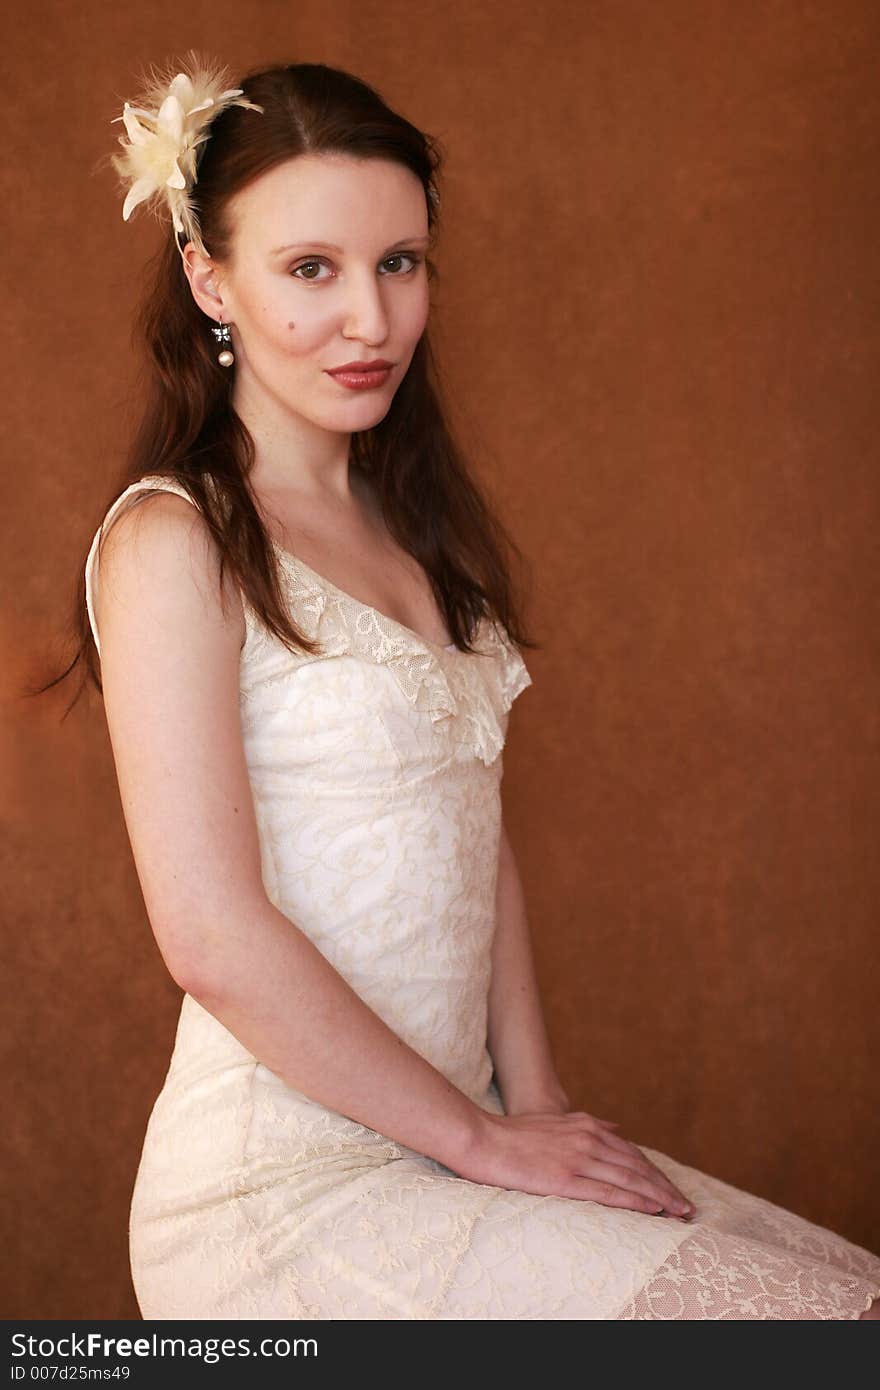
(362, 381)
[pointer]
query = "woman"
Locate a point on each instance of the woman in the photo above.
(309, 649)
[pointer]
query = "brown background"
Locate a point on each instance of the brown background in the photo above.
(658, 320)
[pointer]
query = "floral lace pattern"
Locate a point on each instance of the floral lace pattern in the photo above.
(375, 767)
(433, 679)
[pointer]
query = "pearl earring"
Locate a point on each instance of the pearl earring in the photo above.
(223, 335)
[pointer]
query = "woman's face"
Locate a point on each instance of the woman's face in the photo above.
(327, 268)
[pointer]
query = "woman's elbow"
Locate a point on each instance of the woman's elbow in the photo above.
(199, 950)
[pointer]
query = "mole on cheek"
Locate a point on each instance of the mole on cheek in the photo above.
(291, 325)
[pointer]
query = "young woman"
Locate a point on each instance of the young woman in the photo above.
(309, 648)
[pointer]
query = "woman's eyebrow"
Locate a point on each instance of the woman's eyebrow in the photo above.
(329, 246)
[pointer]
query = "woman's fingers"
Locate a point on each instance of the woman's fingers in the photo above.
(649, 1179)
(624, 1146)
(610, 1195)
(617, 1141)
(630, 1179)
(630, 1156)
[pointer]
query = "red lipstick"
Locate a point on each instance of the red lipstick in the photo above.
(361, 376)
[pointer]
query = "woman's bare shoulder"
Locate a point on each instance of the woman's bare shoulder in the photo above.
(158, 566)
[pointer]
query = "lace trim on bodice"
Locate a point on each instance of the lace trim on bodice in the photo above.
(476, 689)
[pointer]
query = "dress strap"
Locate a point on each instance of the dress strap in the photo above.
(133, 494)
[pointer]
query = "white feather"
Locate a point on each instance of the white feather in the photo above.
(164, 127)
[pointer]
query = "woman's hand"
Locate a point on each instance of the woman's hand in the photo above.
(570, 1155)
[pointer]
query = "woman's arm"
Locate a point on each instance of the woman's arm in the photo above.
(517, 1035)
(170, 672)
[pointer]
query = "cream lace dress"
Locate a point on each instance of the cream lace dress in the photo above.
(376, 771)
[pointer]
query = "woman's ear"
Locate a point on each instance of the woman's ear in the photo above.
(203, 281)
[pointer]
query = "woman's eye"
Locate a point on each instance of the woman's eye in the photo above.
(304, 265)
(403, 255)
(398, 256)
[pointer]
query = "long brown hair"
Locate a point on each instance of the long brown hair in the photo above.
(190, 432)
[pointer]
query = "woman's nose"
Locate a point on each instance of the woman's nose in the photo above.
(365, 313)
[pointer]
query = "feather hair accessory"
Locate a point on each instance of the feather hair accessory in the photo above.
(169, 122)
